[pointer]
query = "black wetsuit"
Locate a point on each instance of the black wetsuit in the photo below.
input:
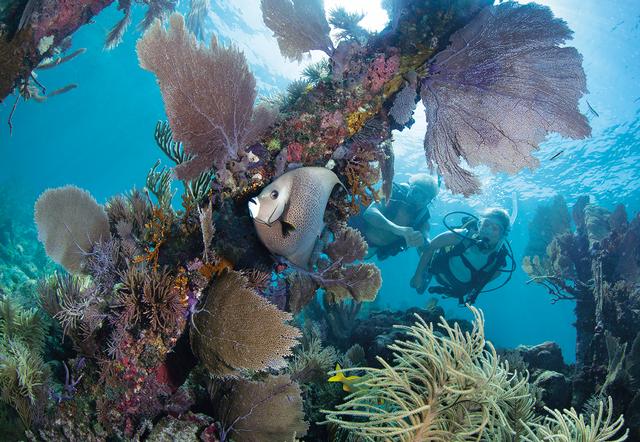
(450, 285)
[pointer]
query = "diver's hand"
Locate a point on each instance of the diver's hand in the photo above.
(412, 237)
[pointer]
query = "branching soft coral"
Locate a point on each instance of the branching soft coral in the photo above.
(452, 388)
(208, 93)
(569, 425)
(23, 374)
(147, 298)
(66, 298)
(493, 95)
(311, 361)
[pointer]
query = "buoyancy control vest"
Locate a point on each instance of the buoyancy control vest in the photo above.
(450, 284)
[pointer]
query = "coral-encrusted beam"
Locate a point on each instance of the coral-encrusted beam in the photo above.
(42, 25)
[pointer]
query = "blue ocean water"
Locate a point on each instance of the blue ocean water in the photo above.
(99, 136)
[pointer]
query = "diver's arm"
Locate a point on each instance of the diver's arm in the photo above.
(425, 236)
(443, 240)
(376, 219)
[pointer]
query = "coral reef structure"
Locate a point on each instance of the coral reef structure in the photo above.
(180, 319)
(596, 264)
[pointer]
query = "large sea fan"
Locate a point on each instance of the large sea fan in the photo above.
(208, 95)
(237, 330)
(500, 87)
(299, 26)
(70, 222)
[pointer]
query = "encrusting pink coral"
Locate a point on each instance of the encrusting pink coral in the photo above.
(381, 71)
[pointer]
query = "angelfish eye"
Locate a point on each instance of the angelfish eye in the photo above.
(274, 194)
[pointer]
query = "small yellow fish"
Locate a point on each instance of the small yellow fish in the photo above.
(347, 381)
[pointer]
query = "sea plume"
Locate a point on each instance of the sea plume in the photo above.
(23, 373)
(197, 16)
(299, 26)
(237, 329)
(500, 87)
(208, 94)
(70, 222)
(453, 386)
(156, 9)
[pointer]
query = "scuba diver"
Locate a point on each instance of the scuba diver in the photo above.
(400, 223)
(464, 260)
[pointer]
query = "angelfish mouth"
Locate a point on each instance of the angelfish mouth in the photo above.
(254, 207)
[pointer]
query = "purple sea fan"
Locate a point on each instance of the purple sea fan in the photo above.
(208, 95)
(499, 88)
(299, 26)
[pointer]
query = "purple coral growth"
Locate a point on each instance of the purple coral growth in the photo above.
(276, 291)
(70, 386)
(101, 264)
(500, 87)
(404, 104)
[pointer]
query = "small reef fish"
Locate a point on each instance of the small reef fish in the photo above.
(346, 381)
(289, 213)
(556, 155)
(592, 110)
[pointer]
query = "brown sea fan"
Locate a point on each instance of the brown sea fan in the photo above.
(208, 94)
(267, 411)
(360, 282)
(70, 222)
(236, 329)
(500, 87)
(348, 244)
(302, 290)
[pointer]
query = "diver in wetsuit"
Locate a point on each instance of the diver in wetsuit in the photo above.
(466, 259)
(402, 222)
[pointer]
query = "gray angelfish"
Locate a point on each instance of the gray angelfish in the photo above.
(289, 212)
